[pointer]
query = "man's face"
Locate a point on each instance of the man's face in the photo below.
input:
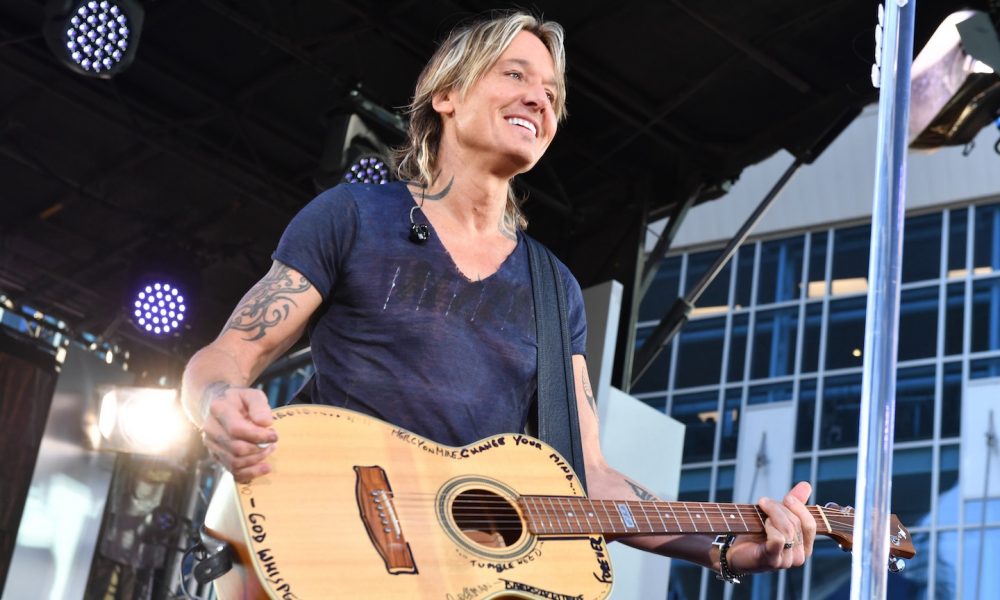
(507, 116)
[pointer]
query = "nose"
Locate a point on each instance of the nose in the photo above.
(536, 97)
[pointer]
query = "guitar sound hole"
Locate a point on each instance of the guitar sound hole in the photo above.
(486, 518)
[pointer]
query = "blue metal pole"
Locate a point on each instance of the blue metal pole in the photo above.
(878, 394)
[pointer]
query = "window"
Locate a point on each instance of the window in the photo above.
(957, 236)
(850, 260)
(699, 413)
(805, 416)
(911, 486)
(811, 337)
(847, 319)
(922, 247)
(699, 352)
(744, 275)
(769, 394)
(954, 316)
(951, 400)
(948, 491)
(663, 291)
(737, 347)
(985, 315)
(817, 265)
(657, 376)
(717, 292)
(730, 423)
(918, 323)
(774, 343)
(986, 255)
(780, 275)
(841, 406)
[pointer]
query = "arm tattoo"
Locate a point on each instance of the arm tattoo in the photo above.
(588, 392)
(640, 492)
(268, 302)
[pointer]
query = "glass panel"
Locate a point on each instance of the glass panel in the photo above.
(767, 394)
(774, 343)
(981, 578)
(737, 347)
(831, 571)
(986, 256)
(761, 586)
(699, 413)
(811, 337)
(922, 247)
(946, 575)
(780, 270)
(662, 291)
(957, 232)
(724, 484)
(685, 580)
(948, 486)
(913, 585)
(717, 293)
(800, 470)
(918, 318)
(915, 404)
(694, 485)
(657, 402)
(794, 584)
(657, 376)
(817, 265)
(954, 314)
(911, 486)
(730, 424)
(978, 513)
(850, 260)
(699, 355)
(951, 400)
(836, 478)
(847, 319)
(987, 367)
(841, 406)
(806, 416)
(985, 315)
(744, 275)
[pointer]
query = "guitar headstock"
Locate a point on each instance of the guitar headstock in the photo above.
(841, 521)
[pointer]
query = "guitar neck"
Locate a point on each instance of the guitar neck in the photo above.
(573, 516)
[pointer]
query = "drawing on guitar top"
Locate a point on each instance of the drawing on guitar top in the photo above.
(357, 507)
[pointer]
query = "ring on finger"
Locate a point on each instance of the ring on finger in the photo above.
(789, 545)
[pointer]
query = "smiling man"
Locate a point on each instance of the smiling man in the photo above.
(435, 333)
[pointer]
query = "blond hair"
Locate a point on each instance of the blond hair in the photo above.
(459, 62)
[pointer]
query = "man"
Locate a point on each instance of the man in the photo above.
(439, 337)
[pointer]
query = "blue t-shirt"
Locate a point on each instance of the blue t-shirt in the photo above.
(402, 334)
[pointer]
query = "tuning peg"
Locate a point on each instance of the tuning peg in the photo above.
(847, 510)
(896, 564)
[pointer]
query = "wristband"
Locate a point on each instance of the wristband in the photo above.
(725, 573)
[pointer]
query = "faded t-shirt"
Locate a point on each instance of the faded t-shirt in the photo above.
(402, 334)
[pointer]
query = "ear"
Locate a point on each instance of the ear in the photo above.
(444, 102)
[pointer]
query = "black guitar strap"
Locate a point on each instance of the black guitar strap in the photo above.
(557, 420)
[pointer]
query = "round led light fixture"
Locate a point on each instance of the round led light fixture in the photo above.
(158, 308)
(368, 169)
(97, 38)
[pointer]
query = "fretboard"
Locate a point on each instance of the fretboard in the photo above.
(568, 515)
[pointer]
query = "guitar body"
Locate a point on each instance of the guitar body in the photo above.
(355, 507)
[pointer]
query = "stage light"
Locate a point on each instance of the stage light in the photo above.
(158, 307)
(368, 169)
(353, 153)
(97, 38)
(140, 420)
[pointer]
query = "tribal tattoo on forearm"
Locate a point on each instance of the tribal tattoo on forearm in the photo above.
(640, 492)
(588, 393)
(268, 302)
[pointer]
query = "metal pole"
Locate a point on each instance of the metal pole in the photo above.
(878, 393)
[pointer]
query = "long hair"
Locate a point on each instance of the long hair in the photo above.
(459, 62)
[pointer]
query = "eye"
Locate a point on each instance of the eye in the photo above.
(550, 96)
(514, 75)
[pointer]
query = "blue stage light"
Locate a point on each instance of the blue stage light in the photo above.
(368, 169)
(94, 37)
(158, 308)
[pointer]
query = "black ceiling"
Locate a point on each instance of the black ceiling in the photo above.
(207, 145)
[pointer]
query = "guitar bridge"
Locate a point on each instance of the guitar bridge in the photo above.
(378, 512)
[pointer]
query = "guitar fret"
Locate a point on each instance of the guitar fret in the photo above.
(739, 511)
(660, 516)
(555, 514)
(695, 525)
(649, 523)
(611, 521)
(575, 513)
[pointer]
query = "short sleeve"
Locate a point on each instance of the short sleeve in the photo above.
(575, 311)
(320, 237)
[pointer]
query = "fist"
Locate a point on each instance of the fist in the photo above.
(237, 431)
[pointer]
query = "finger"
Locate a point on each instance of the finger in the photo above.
(233, 462)
(237, 425)
(774, 554)
(806, 521)
(256, 406)
(246, 474)
(801, 491)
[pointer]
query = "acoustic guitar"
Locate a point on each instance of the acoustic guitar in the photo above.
(357, 508)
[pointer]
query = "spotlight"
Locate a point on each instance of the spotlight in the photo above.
(140, 420)
(368, 169)
(158, 307)
(353, 153)
(97, 38)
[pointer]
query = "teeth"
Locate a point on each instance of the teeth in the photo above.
(523, 123)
